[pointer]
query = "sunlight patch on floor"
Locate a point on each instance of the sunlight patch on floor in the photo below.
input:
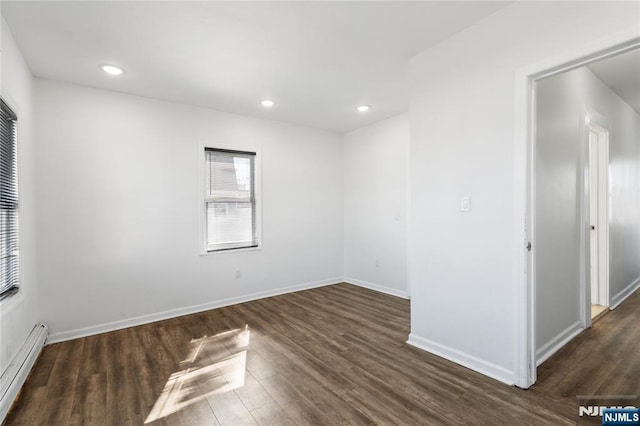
(215, 365)
(597, 310)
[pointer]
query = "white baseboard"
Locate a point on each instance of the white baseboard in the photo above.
(481, 366)
(376, 287)
(16, 373)
(145, 319)
(622, 296)
(558, 342)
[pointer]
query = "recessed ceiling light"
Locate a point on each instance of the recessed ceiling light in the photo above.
(268, 103)
(363, 108)
(112, 69)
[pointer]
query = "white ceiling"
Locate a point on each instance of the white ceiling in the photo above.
(317, 60)
(622, 74)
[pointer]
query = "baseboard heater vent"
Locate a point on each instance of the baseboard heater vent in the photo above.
(16, 373)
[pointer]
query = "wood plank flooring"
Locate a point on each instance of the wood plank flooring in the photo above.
(603, 360)
(332, 355)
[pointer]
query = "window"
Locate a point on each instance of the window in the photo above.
(230, 200)
(8, 202)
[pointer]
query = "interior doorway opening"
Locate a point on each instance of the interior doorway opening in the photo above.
(598, 194)
(584, 222)
(527, 248)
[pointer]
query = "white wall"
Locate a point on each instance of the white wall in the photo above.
(118, 208)
(375, 205)
(561, 104)
(19, 313)
(463, 266)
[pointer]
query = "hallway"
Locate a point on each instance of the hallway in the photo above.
(604, 360)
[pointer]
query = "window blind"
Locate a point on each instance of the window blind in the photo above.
(9, 272)
(230, 199)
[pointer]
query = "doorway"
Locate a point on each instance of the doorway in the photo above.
(556, 253)
(598, 195)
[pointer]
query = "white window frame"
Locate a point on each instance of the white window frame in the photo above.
(7, 300)
(202, 193)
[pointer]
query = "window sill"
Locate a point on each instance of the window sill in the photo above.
(10, 301)
(238, 250)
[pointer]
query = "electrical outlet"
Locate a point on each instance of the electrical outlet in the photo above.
(465, 204)
(238, 274)
(377, 263)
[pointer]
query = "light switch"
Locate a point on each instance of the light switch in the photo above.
(465, 204)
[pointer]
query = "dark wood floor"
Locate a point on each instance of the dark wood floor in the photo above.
(333, 355)
(603, 360)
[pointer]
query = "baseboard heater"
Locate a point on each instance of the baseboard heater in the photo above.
(16, 373)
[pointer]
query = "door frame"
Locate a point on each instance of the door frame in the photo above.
(593, 120)
(524, 189)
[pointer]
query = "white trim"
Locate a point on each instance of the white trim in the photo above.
(558, 342)
(236, 250)
(624, 294)
(605, 218)
(9, 303)
(408, 214)
(376, 287)
(481, 366)
(145, 319)
(16, 373)
(524, 293)
(524, 265)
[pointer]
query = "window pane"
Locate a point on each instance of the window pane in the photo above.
(230, 225)
(229, 176)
